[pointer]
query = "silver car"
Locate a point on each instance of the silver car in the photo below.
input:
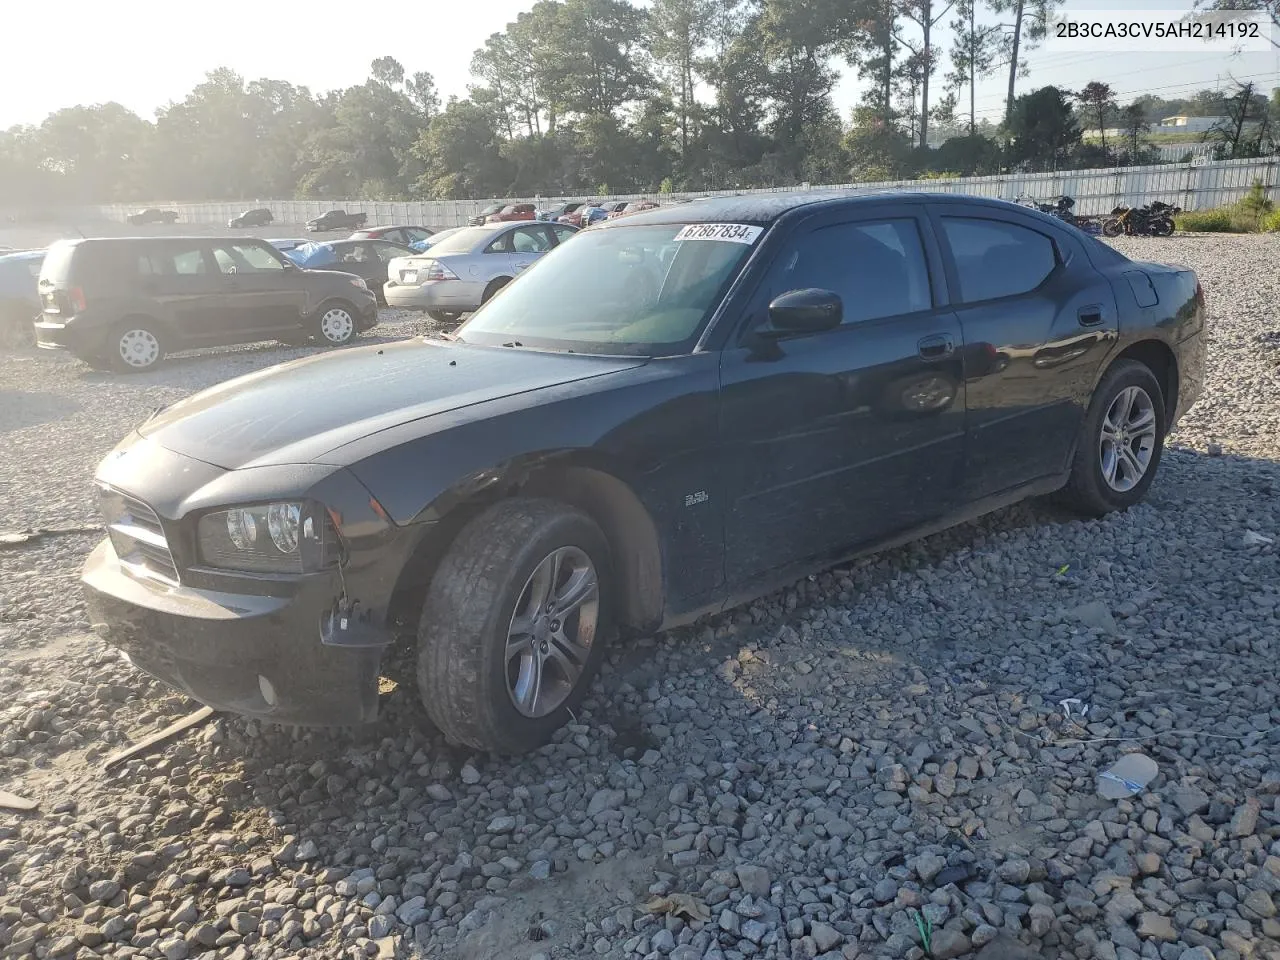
(462, 271)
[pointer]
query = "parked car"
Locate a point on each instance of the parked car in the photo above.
(688, 430)
(402, 235)
(366, 259)
(512, 212)
(19, 298)
(558, 210)
(484, 215)
(574, 217)
(435, 238)
(151, 215)
(337, 220)
(633, 206)
(595, 214)
(258, 217)
(290, 243)
(124, 302)
(457, 275)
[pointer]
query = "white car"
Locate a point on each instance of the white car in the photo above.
(461, 272)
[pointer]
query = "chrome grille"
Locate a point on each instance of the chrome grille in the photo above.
(138, 536)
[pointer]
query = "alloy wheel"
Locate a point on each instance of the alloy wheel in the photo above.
(1128, 439)
(551, 631)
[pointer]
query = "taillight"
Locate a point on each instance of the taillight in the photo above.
(76, 296)
(438, 271)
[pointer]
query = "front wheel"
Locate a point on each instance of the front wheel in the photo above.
(1120, 442)
(1112, 227)
(443, 316)
(513, 628)
(1163, 227)
(335, 325)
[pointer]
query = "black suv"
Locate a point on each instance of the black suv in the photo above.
(252, 218)
(337, 220)
(124, 302)
(151, 215)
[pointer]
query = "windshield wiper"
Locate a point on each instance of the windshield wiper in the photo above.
(513, 343)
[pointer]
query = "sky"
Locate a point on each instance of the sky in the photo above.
(158, 50)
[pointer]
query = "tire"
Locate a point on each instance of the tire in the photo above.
(443, 316)
(335, 324)
(135, 345)
(1100, 483)
(1163, 227)
(494, 286)
(1112, 227)
(468, 684)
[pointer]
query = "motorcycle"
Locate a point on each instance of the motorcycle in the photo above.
(1059, 207)
(1152, 220)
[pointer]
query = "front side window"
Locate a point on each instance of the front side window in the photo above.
(877, 267)
(245, 258)
(640, 291)
(995, 258)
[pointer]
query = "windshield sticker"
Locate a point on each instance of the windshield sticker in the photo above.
(733, 232)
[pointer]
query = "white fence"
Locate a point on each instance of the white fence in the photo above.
(1192, 187)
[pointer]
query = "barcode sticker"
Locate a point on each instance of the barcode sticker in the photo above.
(732, 232)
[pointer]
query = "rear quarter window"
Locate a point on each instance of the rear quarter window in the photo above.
(57, 262)
(996, 259)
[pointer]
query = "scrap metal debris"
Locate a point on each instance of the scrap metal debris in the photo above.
(12, 539)
(146, 743)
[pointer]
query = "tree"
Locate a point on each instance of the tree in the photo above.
(1244, 131)
(974, 51)
(1030, 25)
(877, 149)
(461, 155)
(1099, 102)
(1134, 120)
(925, 14)
(678, 31)
(1042, 127)
(1270, 7)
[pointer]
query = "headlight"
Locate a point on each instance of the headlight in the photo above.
(356, 281)
(289, 537)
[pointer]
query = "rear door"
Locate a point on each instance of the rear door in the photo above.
(530, 243)
(182, 280)
(261, 299)
(385, 252)
(1038, 320)
(361, 258)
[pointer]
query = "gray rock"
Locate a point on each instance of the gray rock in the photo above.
(753, 880)
(825, 936)
(1152, 926)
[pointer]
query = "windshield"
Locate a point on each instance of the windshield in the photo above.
(643, 290)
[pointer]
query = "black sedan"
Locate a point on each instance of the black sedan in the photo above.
(257, 217)
(337, 220)
(367, 259)
(151, 215)
(742, 391)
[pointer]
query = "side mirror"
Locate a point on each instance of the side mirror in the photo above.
(805, 311)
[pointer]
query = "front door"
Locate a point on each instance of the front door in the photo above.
(261, 299)
(840, 438)
(1038, 320)
(181, 279)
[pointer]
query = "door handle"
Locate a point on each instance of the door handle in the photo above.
(937, 347)
(1091, 315)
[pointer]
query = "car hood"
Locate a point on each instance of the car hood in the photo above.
(298, 412)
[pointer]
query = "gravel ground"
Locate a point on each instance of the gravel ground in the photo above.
(872, 762)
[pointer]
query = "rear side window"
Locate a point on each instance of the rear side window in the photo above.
(997, 259)
(244, 258)
(170, 260)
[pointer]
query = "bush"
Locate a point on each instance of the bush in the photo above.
(1218, 220)
(1271, 222)
(1253, 208)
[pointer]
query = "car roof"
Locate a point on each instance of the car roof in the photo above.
(21, 256)
(768, 207)
(95, 241)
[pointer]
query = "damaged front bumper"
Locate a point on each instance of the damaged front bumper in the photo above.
(261, 656)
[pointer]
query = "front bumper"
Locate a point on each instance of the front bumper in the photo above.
(260, 656)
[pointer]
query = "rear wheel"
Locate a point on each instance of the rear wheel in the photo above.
(335, 324)
(514, 624)
(1162, 227)
(135, 345)
(1120, 442)
(494, 286)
